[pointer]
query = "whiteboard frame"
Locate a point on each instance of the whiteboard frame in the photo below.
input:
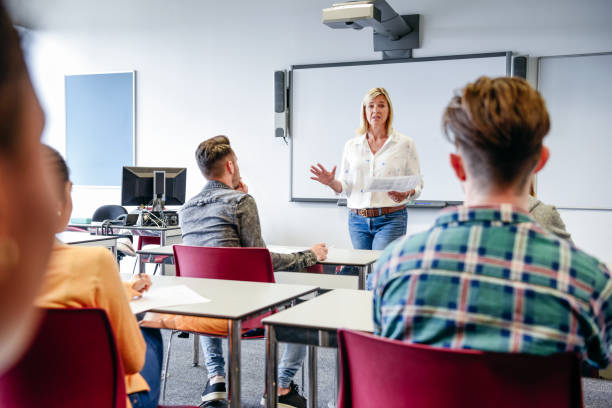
(417, 203)
(537, 176)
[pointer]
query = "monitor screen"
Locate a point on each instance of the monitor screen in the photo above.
(137, 185)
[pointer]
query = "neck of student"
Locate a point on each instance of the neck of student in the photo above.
(225, 179)
(480, 197)
(378, 133)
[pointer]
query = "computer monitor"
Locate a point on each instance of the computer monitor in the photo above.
(144, 185)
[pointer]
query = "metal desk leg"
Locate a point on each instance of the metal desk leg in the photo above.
(113, 249)
(337, 377)
(196, 350)
(162, 243)
(271, 369)
(141, 265)
(364, 271)
(234, 362)
(312, 377)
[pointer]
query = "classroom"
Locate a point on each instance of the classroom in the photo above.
(197, 69)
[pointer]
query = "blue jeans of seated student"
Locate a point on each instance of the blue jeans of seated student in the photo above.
(375, 232)
(289, 365)
(151, 371)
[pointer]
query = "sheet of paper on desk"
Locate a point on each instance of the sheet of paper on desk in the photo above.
(155, 298)
(401, 183)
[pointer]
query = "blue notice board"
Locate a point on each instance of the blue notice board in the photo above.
(99, 127)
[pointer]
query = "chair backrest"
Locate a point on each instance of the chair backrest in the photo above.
(376, 371)
(108, 212)
(72, 362)
(147, 240)
(244, 264)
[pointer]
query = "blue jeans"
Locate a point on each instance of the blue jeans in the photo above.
(374, 232)
(377, 232)
(289, 365)
(213, 355)
(151, 370)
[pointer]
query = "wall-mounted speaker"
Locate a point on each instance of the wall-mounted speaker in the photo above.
(519, 67)
(281, 113)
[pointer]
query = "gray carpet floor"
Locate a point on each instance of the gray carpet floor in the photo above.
(185, 383)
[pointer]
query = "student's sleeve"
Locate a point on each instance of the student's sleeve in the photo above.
(413, 167)
(599, 344)
(249, 230)
(111, 296)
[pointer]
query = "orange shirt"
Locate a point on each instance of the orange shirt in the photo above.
(79, 277)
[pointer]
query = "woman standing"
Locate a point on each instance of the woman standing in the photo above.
(375, 218)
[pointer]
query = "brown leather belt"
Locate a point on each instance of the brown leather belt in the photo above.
(376, 212)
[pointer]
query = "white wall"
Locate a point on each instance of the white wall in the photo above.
(205, 68)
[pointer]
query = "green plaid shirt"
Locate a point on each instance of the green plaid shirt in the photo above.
(491, 278)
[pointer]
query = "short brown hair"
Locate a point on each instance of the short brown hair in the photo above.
(12, 68)
(498, 125)
(210, 154)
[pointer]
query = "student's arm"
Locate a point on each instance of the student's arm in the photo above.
(599, 344)
(249, 230)
(111, 296)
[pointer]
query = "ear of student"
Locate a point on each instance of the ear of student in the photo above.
(544, 156)
(457, 164)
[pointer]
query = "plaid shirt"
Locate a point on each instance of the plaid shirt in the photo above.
(491, 278)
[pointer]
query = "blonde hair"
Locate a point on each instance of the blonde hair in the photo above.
(364, 126)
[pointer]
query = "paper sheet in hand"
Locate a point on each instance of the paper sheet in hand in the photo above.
(385, 184)
(156, 298)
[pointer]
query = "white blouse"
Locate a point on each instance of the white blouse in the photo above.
(397, 157)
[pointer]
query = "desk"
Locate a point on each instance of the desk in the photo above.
(315, 323)
(167, 235)
(235, 301)
(86, 239)
(363, 259)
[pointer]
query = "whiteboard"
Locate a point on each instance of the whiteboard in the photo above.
(578, 94)
(325, 105)
(99, 127)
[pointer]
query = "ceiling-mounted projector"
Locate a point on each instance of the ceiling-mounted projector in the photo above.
(394, 35)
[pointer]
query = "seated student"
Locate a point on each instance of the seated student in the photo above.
(546, 215)
(486, 276)
(80, 276)
(224, 215)
(26, 228)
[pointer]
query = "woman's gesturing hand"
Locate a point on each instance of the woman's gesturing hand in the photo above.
(322, 175)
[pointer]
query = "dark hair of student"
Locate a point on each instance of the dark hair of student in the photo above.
(210, 155)
(58, 163)
(497, 126)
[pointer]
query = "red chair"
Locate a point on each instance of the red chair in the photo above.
(244, 264)
(228, 263)
(72, 362)
(377, 372)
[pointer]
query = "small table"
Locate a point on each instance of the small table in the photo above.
(86, 239)
(235, 301)
(167, 235)
(363, 259)
(315, 323)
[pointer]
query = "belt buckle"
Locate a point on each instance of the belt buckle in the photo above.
(363, 212)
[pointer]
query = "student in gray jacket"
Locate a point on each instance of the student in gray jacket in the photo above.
(223, 214)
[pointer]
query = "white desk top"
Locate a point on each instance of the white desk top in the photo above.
(128, 227)
(322, 280)
(338, 309)
(230, 299)
(76, 238)
(335, 256)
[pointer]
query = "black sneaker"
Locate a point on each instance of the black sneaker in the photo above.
(292, 398)
(214, 392)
